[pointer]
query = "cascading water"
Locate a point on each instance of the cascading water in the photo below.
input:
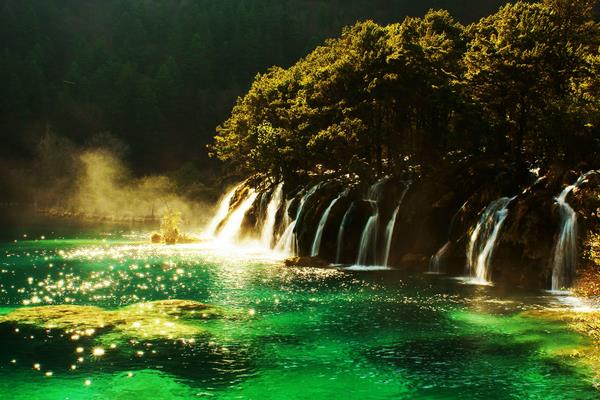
(564, 260)
(368, 239)
(261, 212)
(316, 245)
(389, 230)
(288, 243)
(435, 262)
(222, 213)
(231, 230)
(268, 228)
(483, 239)
(340, 235)
(286, 216)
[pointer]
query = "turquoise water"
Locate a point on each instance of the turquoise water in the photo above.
(286, 333)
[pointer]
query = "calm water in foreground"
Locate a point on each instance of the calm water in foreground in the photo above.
(292, 334)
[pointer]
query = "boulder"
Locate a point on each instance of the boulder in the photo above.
(312, 262)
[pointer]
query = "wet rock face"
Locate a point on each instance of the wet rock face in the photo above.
(421, 224)
(524, 252)
(437, 209)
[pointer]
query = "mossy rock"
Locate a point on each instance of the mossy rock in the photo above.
(165, 319)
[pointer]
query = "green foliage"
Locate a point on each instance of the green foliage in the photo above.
(524, 65)
(520, 85)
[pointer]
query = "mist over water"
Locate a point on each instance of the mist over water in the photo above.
(93, 182)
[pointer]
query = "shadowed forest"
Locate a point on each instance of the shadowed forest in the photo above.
(151, 80)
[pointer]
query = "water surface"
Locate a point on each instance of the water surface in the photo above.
(291, 334)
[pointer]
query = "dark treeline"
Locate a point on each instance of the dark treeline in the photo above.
(158, 75)
(521, 86)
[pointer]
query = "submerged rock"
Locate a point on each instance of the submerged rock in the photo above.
(151, 320)
(584, 322)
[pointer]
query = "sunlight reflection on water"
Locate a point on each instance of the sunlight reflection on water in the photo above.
(285, 331)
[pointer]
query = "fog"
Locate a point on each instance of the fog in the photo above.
(93, 182)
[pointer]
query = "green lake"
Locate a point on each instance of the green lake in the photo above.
(284, 333)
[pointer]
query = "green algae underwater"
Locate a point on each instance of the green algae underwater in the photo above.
(97, 313)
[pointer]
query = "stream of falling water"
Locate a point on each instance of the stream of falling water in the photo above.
(316, 245)
(268, 229)
(564, 260)
(436, 259)
(389, 230)
(483, 239)
(221, 214)
(288, 243)
(368, 239)
(340, 235)
(231, 230)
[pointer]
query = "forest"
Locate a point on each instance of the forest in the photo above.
(158, 76)
(521, 86)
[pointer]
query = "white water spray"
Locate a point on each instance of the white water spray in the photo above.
(288, 241)
(389, 230)
(222, 213)
(483, 239)
(368, 238)
(316, 245)
(231, 230)
(564, 260)
(268, 228)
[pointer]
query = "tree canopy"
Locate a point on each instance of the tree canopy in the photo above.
(520, 85)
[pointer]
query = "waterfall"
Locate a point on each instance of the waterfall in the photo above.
(389, 230)
(322, 222)
(436, 259)
(231, 229)
(222, 213)
(340, 235)
(483, 239)
(434, 263)
(268, 228)
(368, 238)
(286, 216)
(564, 260)
(288, 243)
(260, 221)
